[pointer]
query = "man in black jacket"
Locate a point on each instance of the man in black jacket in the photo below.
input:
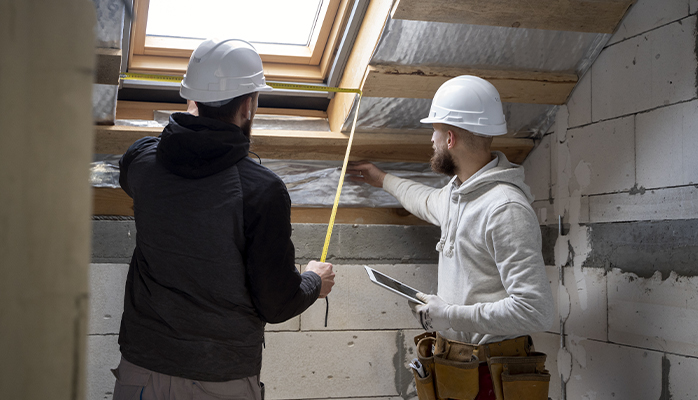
(214, 259)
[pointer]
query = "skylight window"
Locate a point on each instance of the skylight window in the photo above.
(261, 21)
(296, 39)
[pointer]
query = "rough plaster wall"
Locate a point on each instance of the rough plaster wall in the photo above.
(364, 351)
(623, 174)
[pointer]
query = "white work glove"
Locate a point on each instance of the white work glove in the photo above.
(433, 315)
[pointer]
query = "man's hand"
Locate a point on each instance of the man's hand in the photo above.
(433, 315)
(362, 171)
(324, 271)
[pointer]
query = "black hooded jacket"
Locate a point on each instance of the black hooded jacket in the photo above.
(213, 260)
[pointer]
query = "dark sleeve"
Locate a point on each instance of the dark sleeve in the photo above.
(138, 147)
(278, 291)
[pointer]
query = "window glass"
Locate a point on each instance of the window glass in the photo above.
(260, 21)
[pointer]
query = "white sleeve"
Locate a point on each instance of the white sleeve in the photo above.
(421, 200)
(514, 241)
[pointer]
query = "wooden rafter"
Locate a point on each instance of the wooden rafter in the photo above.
(513, 86)
(145, 110)
(601, 16)
(108, 66)
(313, 145)
(109, 201)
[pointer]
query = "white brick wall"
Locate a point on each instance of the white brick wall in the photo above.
(654, 313)
(607, 371)
(652, 14)
(667, 146)
(646, 71)
(626, 150)
(607, 150)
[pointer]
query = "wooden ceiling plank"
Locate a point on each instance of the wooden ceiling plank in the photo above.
(597, 16)
(115, 202)
(513, 86)
(312, 145)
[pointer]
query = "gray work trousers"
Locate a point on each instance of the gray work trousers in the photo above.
(136, 383)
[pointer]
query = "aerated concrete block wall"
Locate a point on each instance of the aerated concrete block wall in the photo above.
(362, 353)
(621, 167)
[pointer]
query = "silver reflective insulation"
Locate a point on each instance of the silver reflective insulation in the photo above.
(309, 183)
(108, 30)
(110, 23)
(436, 44)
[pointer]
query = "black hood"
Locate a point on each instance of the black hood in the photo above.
(196, 147)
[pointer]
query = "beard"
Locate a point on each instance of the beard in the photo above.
(442, 162)
(247, 128)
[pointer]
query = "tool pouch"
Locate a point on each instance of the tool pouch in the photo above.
(425, 354)
(425, 386)
(520, 378)
(457, 379)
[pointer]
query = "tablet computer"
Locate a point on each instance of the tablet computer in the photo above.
(393, 285)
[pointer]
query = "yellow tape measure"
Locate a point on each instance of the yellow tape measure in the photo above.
(289, 86)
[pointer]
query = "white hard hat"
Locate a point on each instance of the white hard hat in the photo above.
(470, 103)
(221, 70)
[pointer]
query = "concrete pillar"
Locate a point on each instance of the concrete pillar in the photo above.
(46, 68)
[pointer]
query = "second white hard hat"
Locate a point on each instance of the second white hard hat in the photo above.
(221, 70)
(468, 102)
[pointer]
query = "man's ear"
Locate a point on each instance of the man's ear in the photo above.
(246, 109)
(451, 139)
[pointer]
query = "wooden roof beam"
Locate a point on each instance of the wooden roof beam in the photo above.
(599, 16)
(312, 145)
(514, 86)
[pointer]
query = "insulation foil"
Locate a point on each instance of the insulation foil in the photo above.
(309, 183)
(110, 23)
(462, 45)
(104, 103)
(389, 115)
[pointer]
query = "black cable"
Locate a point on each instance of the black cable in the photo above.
(259, 158)
(327, 309)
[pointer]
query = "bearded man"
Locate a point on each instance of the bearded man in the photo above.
(493, 290)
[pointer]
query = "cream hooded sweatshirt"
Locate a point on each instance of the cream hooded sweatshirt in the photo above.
(490, 263)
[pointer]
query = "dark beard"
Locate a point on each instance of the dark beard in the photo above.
(247, 128)
(442, 162)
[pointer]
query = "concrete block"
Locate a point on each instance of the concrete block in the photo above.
(106, 297)
(549, 344)
(654, 313)
(357, 303)
(579, 103)
(694, 6)
(647, 15)
(681, 372)
(545, 212)
(408, 391)
(645, 247)
(667, 145)
(599, 169)
(367, 244)
(102, 356)
(553, 273)
(645, 205)
(113, 241)
(293, 325)
(608, 371)
(647, 71)
(305, 365)
(537, 169)
(588, 312)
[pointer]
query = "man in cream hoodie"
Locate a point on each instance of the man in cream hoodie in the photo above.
(492, 284)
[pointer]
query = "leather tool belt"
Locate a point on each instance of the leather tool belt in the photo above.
(518, 371)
